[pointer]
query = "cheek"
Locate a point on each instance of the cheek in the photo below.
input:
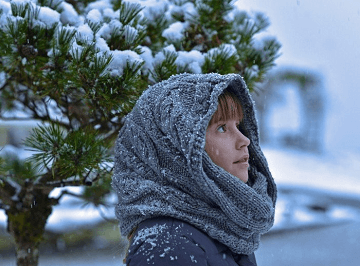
(216, 148)
(210, 146)
(212, 150)
(216, 154)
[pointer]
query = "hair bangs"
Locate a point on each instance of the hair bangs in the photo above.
(229, 107)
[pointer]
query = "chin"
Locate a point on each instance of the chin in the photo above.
(244, 177)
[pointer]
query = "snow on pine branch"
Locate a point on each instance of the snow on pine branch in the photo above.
(110, 28)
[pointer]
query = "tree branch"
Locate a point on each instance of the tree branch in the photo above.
(55, 201)
(9, 190)
(43, 183)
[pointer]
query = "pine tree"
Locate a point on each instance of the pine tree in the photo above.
(77, 67)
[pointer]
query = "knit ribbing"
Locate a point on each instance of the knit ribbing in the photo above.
(161, 168)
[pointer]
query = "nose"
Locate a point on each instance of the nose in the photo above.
(241, 141)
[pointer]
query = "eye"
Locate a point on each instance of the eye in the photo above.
(221, 129)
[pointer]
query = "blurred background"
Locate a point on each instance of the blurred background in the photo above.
(310, 131)
(308, 115)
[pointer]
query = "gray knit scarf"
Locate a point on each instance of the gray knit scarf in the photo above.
(161, 168)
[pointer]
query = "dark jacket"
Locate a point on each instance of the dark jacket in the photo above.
(168, 241)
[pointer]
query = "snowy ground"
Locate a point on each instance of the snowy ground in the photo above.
(315, 189)
(335, 245)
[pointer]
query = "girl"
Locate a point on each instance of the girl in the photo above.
(194, 187)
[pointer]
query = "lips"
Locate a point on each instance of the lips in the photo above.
(243, 159)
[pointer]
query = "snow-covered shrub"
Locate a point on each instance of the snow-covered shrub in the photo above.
(77, 68)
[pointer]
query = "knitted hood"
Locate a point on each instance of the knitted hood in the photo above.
(162, 169)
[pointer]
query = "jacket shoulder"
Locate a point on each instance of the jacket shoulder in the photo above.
(168, 241)
(164, 241)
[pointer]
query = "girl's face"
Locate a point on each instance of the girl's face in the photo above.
(228, 147)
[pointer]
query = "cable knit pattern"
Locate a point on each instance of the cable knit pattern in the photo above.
(161, 168)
